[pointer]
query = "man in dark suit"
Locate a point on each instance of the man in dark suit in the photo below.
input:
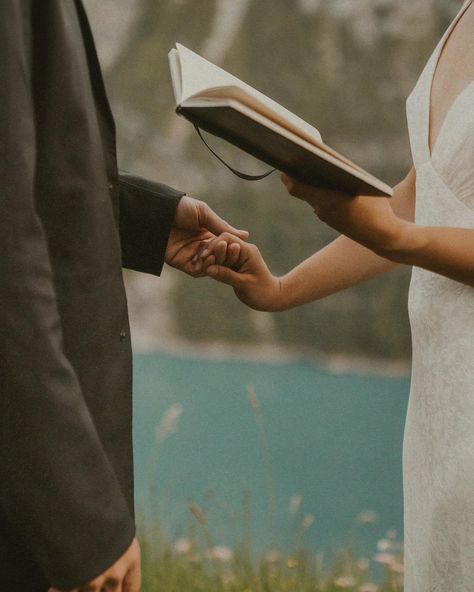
(68, 222)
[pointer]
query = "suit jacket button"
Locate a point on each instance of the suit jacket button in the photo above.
(111, 186)
(123, 334)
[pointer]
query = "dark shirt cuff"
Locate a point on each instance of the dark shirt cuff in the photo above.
(147, 212)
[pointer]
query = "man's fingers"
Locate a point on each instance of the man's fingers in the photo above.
(132, 580)
(123, 576)
(210, 220)
(110, 581)
(96, 585)
(113, 586)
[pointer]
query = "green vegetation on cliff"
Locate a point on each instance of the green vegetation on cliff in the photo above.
(346, 67)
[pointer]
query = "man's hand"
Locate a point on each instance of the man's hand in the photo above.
(122, 576)
(194, 224)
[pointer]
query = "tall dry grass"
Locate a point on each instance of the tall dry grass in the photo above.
(195, 563)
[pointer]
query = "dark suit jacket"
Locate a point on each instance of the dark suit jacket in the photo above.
(68, 221)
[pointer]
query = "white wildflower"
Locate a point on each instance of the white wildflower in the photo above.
(183, 545)
(295, 503)
(385, 558)
(384, 545)
(345, 582)
(307, 521)
(220, 553)
(367, 516)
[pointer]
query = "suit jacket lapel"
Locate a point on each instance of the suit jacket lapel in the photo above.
(94, 66)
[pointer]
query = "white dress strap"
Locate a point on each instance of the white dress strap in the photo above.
(418, 103)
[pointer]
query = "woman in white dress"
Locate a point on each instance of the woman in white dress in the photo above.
(428, 224)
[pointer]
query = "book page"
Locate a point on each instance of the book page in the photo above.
(199, 77)
(175, 69)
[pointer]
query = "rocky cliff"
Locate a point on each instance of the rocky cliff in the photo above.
(346, 66)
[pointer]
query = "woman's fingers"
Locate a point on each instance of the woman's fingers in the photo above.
(293, 187)
(220, 252)
(233, 255)
(226, 253)
(225, 275)
(207, 262)
(315, 196)
(225, 248)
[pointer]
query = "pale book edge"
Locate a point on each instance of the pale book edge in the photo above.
(175, 70)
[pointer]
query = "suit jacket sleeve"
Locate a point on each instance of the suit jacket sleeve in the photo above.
(147, 211)
(56, 482)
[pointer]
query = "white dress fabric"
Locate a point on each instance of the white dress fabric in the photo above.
(438, 446)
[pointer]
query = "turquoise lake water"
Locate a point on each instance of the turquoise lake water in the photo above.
(334, 439)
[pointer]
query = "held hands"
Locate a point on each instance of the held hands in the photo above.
(367, 220)
(201, 243)
(249, 275)
(194, 223)
(123, 575)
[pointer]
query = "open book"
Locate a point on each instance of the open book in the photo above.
(219, 103)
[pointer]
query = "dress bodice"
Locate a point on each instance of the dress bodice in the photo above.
(452, 157)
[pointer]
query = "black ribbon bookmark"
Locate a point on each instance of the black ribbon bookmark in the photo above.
(235, 171)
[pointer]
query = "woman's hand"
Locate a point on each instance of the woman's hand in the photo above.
(368, 220)
(248, 273)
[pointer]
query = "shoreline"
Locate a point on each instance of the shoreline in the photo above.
(269, 353)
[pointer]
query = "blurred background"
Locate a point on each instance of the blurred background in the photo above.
(295, 418)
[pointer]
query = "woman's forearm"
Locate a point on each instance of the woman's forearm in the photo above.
(340, 265)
